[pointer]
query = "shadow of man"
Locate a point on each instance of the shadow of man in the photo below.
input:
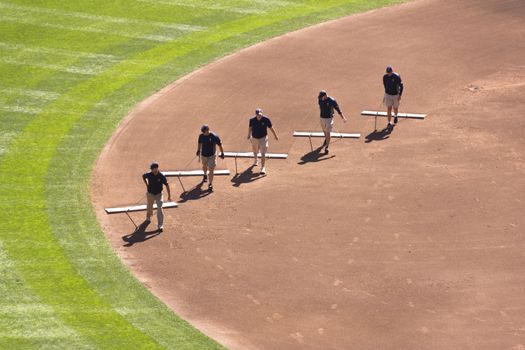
(194, 194)
(315, 156)
(379, 135)
(140, 235)
(246, 176)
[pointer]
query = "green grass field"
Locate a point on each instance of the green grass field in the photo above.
(70, 71)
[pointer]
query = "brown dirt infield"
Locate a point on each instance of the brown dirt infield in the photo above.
(412, 240)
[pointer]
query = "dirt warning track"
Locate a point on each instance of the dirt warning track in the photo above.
(407, 240)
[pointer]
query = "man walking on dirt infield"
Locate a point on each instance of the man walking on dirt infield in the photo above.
(327, 104)
(154, 181)
(206, 149)
(393, 91)
(258, 132)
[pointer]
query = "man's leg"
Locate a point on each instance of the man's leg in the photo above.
(396, 109)
(211, 166)
(389, 114)
(212, 169)
(205, 168)
(329, 123)
(149, 206)
(255, 148)
(263, 160)
(263, 146)
(326, 131)
(160, 212)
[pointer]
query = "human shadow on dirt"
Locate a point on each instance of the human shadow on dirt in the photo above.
(140, 235)
(246, 176)
(195, 193)
(379, 135)
(315, 156)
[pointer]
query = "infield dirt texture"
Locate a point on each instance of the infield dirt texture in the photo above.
(408, 240)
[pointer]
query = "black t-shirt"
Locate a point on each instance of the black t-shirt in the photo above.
(327, 107)
(393, 84)
(208, 144)
(155, 182)
(260, 127)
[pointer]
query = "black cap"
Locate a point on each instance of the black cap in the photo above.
(258, 111)
(205, 127)
(389, 69)
(154, 165)
(322, 93)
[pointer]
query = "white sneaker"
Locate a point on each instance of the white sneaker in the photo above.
(263, 170)
(255, 163)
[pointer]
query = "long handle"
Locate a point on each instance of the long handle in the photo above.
(136, 227)
(178, 177)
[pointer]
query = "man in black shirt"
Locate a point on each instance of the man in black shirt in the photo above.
(393, 91)
(206, 149)
(327, 104)
(258, 132)
(154, 181)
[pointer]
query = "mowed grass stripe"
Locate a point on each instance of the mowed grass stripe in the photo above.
(58, 52)
(25, 321)
(86, 28)
(97, 18)
(205, 6)
(35, 94)
(86, 22)
(63, 68)
(64, 47)
(40, 193)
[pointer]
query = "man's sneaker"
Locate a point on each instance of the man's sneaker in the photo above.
(147, 221)
(205, 178)
(395, 119)
(326, 150)
(161, 229)
(255, 163)
(263, 170)
(210, 187)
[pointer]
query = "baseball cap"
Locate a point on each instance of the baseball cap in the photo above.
(258, 111)
(154, 165)
(322, 93)
(205, 127)
(389, 69)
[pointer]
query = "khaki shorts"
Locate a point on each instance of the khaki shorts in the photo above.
(260, 144)
(209, 161)
(326, 124)
(391, 100)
